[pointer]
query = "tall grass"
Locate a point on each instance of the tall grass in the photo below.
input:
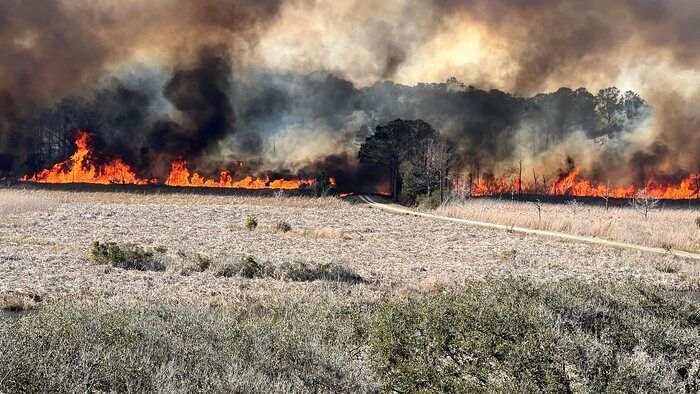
(664, 227)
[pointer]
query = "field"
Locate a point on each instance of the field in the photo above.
(310, 305)
(671, 227)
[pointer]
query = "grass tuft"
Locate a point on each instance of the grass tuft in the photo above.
(250, 223)
(283, 227)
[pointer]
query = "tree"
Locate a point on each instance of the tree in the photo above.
(401, 147)
(440, 157)
(633, 105)
(608, 105)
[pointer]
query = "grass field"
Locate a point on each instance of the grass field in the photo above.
(182, 294)
(663, 227)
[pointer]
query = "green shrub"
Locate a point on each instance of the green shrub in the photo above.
(249, 268)
(429, 201)
(246, 267)
(510, 336)
(697, 221)
(508, 256)
(518, 337)
(284, 347)
(160, 249)
(126, 256)
(283, 227)
(303, 272)
(250, 223)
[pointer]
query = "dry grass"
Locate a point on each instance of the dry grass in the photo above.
(35, 197)
(14, 203)
(14, 301)
(46, 252)
(663, 228)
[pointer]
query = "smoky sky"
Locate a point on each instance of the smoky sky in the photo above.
(288, 85)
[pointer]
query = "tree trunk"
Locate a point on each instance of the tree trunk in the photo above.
(442, 187)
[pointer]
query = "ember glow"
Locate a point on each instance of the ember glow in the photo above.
(82, 168)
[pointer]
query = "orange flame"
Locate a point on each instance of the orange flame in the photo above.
(570, 184)
(81, 168)
(180, 176)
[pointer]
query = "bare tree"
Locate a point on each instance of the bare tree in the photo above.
(606, 196)
(535, 186)
(441, 154)
(644, 204)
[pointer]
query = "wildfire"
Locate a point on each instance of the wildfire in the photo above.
(571, 184)
(181, 176)
(81, 168)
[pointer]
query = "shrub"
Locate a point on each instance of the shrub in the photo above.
(283, 227)
(250, 223)
(515, 336)
(429, 201)
(508, 256)
(697, 221)
(246, 267)
(509, 336)
(307, 346)
(126, 256)
(303, 272)
(668, 266)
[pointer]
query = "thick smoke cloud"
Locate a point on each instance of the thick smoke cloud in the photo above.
(291, 86)
(200, 95)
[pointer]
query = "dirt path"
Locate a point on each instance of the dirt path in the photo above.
(400, 209)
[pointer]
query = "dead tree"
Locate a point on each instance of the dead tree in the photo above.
(644, 204)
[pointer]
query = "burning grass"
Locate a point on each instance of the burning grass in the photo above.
(496, 336)
(663, 227)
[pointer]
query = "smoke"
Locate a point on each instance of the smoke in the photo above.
(200, 97)
(293, 85)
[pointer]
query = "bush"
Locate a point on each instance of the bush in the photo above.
(126, 256)
(510, 336)
(515, 336)
(283, 227)
(303, 272)
(250, 223)
(667, 266)
(286, 347)
(430, 201)
(697, 221)
(246, 267)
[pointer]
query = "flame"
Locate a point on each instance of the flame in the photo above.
(81, 168)
(571, 184)
(180, 176)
